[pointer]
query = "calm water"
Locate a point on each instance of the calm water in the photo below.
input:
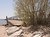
(3, 22)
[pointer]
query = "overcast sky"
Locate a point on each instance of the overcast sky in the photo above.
(6, 8)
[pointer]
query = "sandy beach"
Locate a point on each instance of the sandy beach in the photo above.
(3, 31)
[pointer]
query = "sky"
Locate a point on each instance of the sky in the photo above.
(6, 8)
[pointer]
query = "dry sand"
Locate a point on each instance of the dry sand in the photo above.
(3, 31)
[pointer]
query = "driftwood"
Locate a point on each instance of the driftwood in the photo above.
(15, 22)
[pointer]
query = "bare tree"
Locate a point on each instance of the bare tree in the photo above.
(25, 9)
(28, 10)
(42, 11)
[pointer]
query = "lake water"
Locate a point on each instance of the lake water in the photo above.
(3, 22)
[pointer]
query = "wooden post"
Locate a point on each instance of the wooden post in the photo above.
(7, 20)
